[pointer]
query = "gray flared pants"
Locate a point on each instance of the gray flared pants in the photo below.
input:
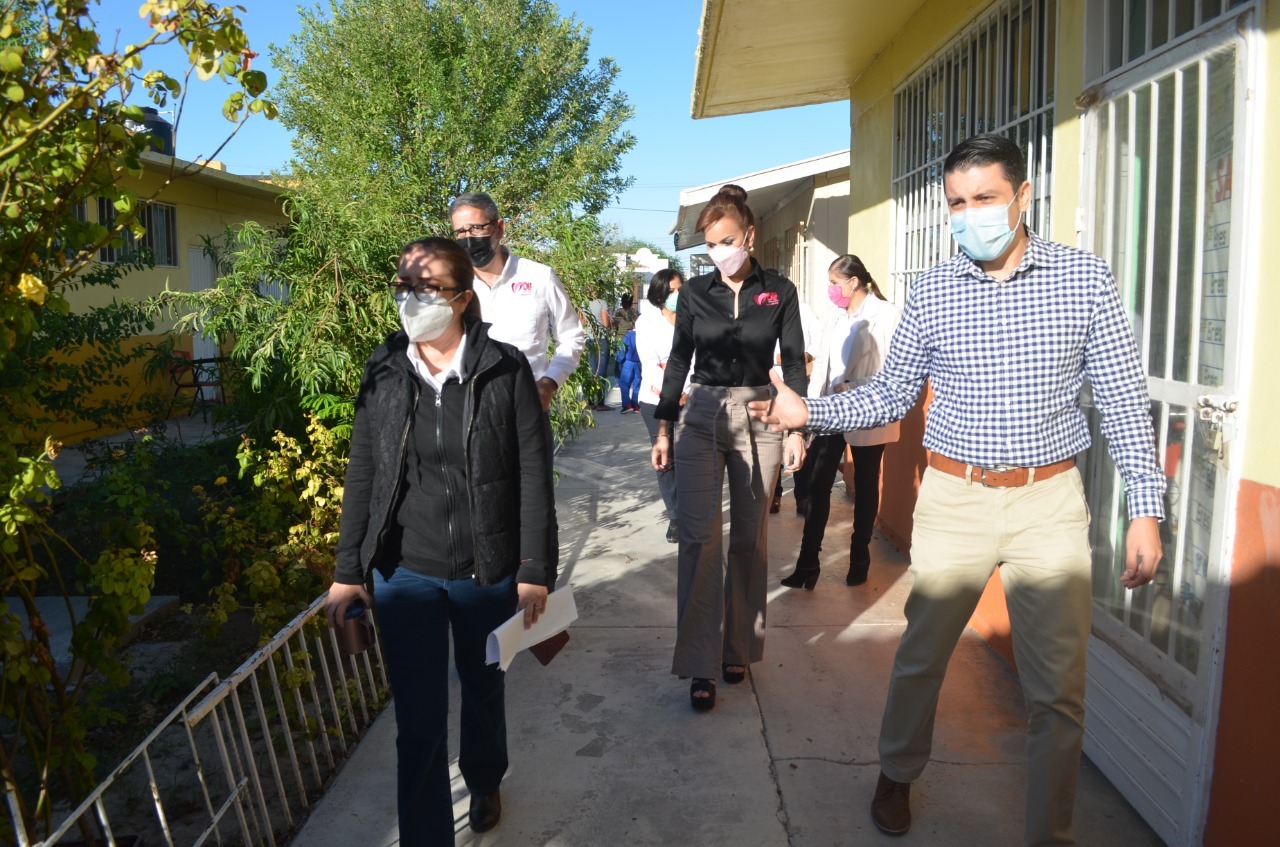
(720, 600)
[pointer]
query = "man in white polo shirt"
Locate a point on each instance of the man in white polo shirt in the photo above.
(522, 299)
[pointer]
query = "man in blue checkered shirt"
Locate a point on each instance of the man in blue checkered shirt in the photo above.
(1005, 332)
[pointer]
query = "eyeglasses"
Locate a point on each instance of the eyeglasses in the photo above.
(423, 292)
(474, 230)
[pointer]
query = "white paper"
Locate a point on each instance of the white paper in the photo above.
(510, 638)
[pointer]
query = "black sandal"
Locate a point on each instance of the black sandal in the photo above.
(734, 677)
(700, 686)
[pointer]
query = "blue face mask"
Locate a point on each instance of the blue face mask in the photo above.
(670, 303)
(983, 233)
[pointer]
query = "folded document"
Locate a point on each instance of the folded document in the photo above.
(511, 637)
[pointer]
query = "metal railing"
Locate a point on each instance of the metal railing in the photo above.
(240, 760)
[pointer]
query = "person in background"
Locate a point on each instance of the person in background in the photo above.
(800, 479)
(855, 341)
(597, 318)
(446, 517)
(629, 373)
(624, 319)
(522, 300)
(1005, 332)
(730, 319)
(655, 331)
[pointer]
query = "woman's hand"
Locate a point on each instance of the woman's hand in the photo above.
(532, 599)
(793, 452)
(340, 597)
(660, 455)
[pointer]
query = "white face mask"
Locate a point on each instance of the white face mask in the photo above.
(728, 259)
(426, 321)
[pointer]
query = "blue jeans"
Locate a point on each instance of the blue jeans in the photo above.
(414, 615)
(629, 379)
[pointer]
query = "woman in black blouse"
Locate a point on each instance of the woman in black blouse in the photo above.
(731, 319)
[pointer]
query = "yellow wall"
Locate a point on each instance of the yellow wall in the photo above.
(201, 210)
(1260, 403)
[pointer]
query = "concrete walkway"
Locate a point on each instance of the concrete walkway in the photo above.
(72, 463)
(605, 749)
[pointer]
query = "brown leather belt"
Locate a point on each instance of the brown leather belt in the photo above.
(999, 477)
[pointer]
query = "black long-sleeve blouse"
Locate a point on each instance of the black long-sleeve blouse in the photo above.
(734, 352)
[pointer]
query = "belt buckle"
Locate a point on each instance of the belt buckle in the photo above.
(995, 469)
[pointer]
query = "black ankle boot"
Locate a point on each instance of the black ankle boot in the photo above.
(803, 577)
(859, 564)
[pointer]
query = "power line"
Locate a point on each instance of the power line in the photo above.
(634, 209)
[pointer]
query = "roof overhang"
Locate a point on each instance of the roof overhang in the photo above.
(755, 55)
(160, 164)
(766, 190)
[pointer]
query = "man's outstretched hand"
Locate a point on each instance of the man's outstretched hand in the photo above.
(786, 411)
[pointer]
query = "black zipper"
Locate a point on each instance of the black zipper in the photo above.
(444, 475)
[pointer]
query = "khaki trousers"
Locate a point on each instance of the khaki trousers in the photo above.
(1038, 535)
(720, 600)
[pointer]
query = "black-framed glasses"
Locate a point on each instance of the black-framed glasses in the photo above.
(423, 292)
(474, 230)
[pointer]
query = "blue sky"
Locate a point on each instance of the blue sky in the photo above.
(653, 44)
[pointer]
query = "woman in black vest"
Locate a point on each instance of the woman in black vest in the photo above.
(446, 516)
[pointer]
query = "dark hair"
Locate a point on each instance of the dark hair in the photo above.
(476, 200)
(627, 300)
(461, 272)
(850, 266)
(730, 201)
(660, 286)
(990, 149)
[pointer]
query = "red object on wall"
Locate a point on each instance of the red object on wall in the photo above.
(1245, 786)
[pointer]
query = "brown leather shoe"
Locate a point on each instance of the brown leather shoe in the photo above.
(891, 808)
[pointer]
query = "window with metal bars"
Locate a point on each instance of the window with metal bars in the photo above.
(160, 239)
(996, 76)
(1129, 30)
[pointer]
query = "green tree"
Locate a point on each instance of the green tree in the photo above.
(398, 106)
(64, 139)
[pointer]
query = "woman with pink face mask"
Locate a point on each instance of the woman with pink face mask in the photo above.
(731, 319)
(855, 342)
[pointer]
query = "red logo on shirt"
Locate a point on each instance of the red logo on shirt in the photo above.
(767, 298)
(525, 288)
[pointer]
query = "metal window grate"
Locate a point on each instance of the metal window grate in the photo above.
(160, 220)
(1133, 29)
(997, 76)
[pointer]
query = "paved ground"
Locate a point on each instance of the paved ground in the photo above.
(72, 461)
(605, 749)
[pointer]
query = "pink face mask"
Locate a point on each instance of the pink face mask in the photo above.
(837, 295)
(729, 259)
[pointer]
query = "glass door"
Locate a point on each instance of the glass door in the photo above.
(1164, 157)
(1164, 141)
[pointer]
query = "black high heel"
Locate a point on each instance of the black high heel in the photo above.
(699, 686)
(733, 677)
(805, 578)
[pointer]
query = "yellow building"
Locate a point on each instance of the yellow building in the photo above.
(197, 203)
(1146, 124)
